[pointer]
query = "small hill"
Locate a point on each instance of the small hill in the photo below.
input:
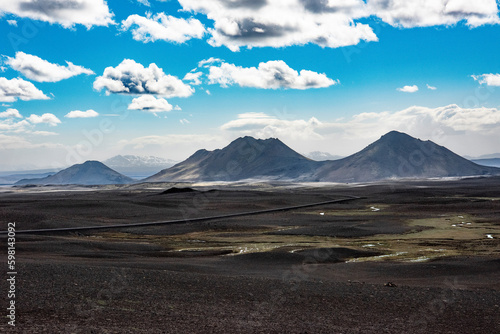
(88, 173)
(244, 158)
(398, 155)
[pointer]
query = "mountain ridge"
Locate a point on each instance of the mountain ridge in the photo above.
(394, 155)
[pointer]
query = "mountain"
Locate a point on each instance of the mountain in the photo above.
(398, 155)
(394, 155)
(244, 158)
(138, 166)
(493, 162)
(88, 173)
(322, 156)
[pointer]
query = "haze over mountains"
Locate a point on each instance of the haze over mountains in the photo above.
(395, 155)
(138, 166)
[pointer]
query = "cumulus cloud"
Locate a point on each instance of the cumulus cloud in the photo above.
(425, 13)
(194, 77)
(11, 125)
(262, 125)
(445, 125)
(12, 22)
(408, 89)
(47, 118)
(82, 114)
(10, 113)
(328, 23)
(261, 23)
(431, 87)
(163, 27)
(40, 70)
(488, 79)
(13, 89)
(130, 77)
(64, 12)
(44, 133)
(270, 75)
(151, 104)
(209, 61)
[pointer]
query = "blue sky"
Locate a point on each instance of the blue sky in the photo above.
(166, 78)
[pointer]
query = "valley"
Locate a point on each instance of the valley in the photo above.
(405, 244)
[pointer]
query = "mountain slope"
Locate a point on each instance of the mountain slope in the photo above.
(398, 155)
(88, 173)
(244, 158)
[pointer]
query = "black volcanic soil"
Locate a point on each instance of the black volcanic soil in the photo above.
(186, 278)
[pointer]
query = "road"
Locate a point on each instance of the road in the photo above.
(178, 221)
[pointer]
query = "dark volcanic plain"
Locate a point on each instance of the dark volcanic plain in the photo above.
(407, 257)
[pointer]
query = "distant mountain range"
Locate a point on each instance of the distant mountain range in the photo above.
(395, 155)
(322, 156)
(494, 162)
(88, 173)
(138, 166)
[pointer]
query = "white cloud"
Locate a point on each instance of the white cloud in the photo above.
(261, 23)
(488, 79)
(82, 114)
(130, 77)
(207, 62)
(40, 70)
(431, 87)
(163, 27)
(177, 108)
(194, 77)
(270, 75)
(10, 125)
(459, 128)
(144, 2)
(44, 133)
(184, 121)
(261, 125)
(64, 12)
(11, 90)
(9, 113)
(47, 118)
(328, 23)
(151, 104)
(12, 22)
(12, 142)
(408, 89)
(426, 13)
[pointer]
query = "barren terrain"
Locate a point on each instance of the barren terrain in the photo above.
(405, 257)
